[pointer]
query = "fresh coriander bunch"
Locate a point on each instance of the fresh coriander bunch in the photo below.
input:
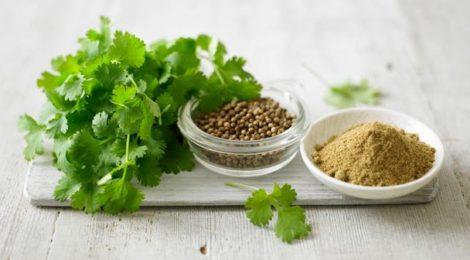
(112, 110)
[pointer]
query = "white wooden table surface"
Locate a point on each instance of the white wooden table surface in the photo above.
(417, 52)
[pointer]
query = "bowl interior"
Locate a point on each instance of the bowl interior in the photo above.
(337, 123)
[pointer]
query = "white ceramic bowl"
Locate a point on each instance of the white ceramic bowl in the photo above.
(336, 123)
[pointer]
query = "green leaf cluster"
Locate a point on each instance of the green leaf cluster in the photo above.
(291, 221)
(351, 94)
(112, 111)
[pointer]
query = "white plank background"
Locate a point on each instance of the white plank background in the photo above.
(415, 51)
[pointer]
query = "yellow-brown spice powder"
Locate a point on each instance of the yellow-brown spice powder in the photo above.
(375, 154)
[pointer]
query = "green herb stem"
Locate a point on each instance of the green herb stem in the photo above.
(216, 68)
(217, 72)
(126, 163)
(240, 186)
(316, 75)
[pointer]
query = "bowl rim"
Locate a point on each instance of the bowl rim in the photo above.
(317, 172)
(192, 132)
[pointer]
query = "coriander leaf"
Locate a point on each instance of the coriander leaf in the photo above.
(215, 49)
(90, 48)
(141, 87)
(146, 124)
(47, 113)
(85, 149)
(128, 113)
(233, 69)
(66, 65)
(129, 118)
(87, 198)
(156, 147)
(78, 119)
(128, 49)
(100, 125)
(66, 187)
(148, 173)
(119, 195)
(219, 53)
(123, 94)
(177, 158)
(182, 56)
(49, 84)
(284, 195)
(259, 208)
(291, 224)
(165, 74)
(136, 151)
(96, 42)
(170, 108)
(185, 86)
(109, 74)
(72, 88)
(34, 136)
(93, 64)
(60, 148)
(152, 106)
(245, 90)
(109, 155)
(212, 97)
(105, 36)
(350, 94)
(160, 48)
(57, 125)
(203, 41)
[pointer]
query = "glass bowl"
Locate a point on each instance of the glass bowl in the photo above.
(238, 158)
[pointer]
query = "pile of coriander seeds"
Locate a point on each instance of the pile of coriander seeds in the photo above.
(246, 121)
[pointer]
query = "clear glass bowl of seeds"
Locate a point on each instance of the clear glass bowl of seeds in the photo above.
(247, 138)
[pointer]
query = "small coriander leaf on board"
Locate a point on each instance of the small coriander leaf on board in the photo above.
(350, 94)
(291, 221)
(259, 208)
(285, 195)
(291, 224)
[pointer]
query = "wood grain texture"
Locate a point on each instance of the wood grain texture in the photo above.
(415, 51)
(180, 190)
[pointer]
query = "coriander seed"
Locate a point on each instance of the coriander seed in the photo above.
(246, 121)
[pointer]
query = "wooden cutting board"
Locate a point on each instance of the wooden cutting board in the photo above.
(204, 188)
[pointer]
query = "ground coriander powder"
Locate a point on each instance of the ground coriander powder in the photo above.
(374, 154)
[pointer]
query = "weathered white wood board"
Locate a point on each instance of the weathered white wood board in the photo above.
(416, 52)
(204, 188)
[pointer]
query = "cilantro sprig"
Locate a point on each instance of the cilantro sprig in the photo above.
(348, 94)
(291, 221)
(112, 110)
(351, 94)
